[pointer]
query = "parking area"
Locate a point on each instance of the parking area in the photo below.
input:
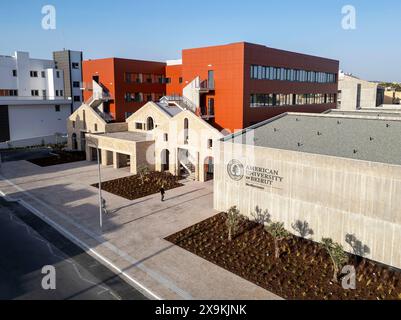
(132, 237)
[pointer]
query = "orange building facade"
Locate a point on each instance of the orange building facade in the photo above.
(238, 85)
(252, 83)
(130, 83)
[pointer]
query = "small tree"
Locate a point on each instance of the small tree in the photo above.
(143, 171)
(279, 233)
(232, 222)
(337, 255)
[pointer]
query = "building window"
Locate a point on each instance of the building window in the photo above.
(210, 143)
(43, 74)
(186, 131)
(180, 80)
(150, 125)
(75, 65)
(274, 73)
(138, 126)
(44, 94)
(210, 106)
(95, 127)
(73, 124)
(57, 108)
(76, 84)
(165, 137)
(14, 73)
(8, 93)
(77, 99)
(58, 74)
(61, 93)
(35, 93)
(34, 74)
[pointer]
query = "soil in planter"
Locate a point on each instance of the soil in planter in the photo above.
(133, 187)
(303, 271)
(60, 157)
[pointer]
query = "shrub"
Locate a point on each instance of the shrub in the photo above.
(232, 222)
(279, 233)
(337, 255)
(143, 172)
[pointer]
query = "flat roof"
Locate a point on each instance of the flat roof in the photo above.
(367, 112)
(128, 136)
(366, 138)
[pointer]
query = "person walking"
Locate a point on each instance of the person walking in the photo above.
(162, 192)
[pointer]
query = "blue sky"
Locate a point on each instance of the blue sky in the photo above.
(159, 29)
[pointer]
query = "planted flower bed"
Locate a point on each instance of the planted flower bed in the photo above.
(139, 186)
(303, 271)
(60, 157)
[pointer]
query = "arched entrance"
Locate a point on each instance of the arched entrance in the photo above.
(165, 160)
(150, 125)
(74, 142)
(209, 168)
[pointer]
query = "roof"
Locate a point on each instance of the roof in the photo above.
(170, 110)
(368, 112)
(127, 135)
(363, 138)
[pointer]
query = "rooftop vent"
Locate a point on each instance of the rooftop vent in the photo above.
(355, 151)
(387, 125)
(300, 144)
(371, 139)
(338, 122)
(319, 133)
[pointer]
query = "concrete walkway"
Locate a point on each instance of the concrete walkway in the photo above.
(132, 239)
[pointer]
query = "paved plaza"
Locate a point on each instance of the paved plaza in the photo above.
(132, 239)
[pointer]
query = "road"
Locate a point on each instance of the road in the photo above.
(27, 244)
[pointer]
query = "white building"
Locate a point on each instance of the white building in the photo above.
(355, 93)
(33, 102)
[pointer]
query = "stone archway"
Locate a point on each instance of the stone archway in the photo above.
(74, 141)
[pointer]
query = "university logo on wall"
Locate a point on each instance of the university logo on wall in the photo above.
(235, 170)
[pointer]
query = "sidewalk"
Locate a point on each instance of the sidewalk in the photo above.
(132, 240)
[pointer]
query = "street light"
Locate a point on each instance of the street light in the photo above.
(101, 204)
(100, 189)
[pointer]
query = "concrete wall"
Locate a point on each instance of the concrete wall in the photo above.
(336, 196)
(348, 86)
(31, 121)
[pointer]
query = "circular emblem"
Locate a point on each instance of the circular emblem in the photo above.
(235, 170)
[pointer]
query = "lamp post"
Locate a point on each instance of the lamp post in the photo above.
(100, 189)
(94, 142)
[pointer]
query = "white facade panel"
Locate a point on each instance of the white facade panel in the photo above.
(30, 121)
